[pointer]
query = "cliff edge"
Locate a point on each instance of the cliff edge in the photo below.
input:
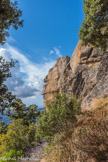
(84, 75)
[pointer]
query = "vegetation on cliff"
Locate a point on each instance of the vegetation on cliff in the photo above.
(94, 30)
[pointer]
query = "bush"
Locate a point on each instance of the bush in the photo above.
(11, 156)
(18, 137)
(60, 112)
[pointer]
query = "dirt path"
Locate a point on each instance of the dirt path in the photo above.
(36, 154)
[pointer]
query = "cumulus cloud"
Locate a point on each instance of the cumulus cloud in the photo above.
(56, 51)
(27, 76)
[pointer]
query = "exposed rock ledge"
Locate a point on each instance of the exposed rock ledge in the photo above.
(84, 75)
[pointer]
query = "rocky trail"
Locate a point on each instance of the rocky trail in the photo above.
(35, 154)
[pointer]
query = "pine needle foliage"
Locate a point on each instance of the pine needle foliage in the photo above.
(94, 29)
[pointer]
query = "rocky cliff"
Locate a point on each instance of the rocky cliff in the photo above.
(84, 75)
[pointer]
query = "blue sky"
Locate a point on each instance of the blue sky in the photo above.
(50, 31)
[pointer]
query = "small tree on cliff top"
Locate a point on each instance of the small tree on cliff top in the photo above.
(94, 28)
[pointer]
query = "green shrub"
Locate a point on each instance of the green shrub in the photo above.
(11, 156)
(60, 112)
(18, 137)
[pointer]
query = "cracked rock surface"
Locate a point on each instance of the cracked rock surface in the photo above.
(84, 75)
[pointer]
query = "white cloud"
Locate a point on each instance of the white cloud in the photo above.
(56, 51)
(51, 52)
(27, 77)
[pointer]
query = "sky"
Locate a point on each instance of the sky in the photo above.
(50, 31)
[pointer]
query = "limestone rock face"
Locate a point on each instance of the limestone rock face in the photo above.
(75, 59)
(84, 75)
(57, 78)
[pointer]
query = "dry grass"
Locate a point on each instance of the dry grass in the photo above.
(86, 140)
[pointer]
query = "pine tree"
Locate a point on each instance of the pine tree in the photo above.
(9, 16)
(6, 98)
(94, 30)
(21, 111)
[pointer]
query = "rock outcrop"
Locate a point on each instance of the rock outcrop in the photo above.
(84, 75)
(57, 78)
